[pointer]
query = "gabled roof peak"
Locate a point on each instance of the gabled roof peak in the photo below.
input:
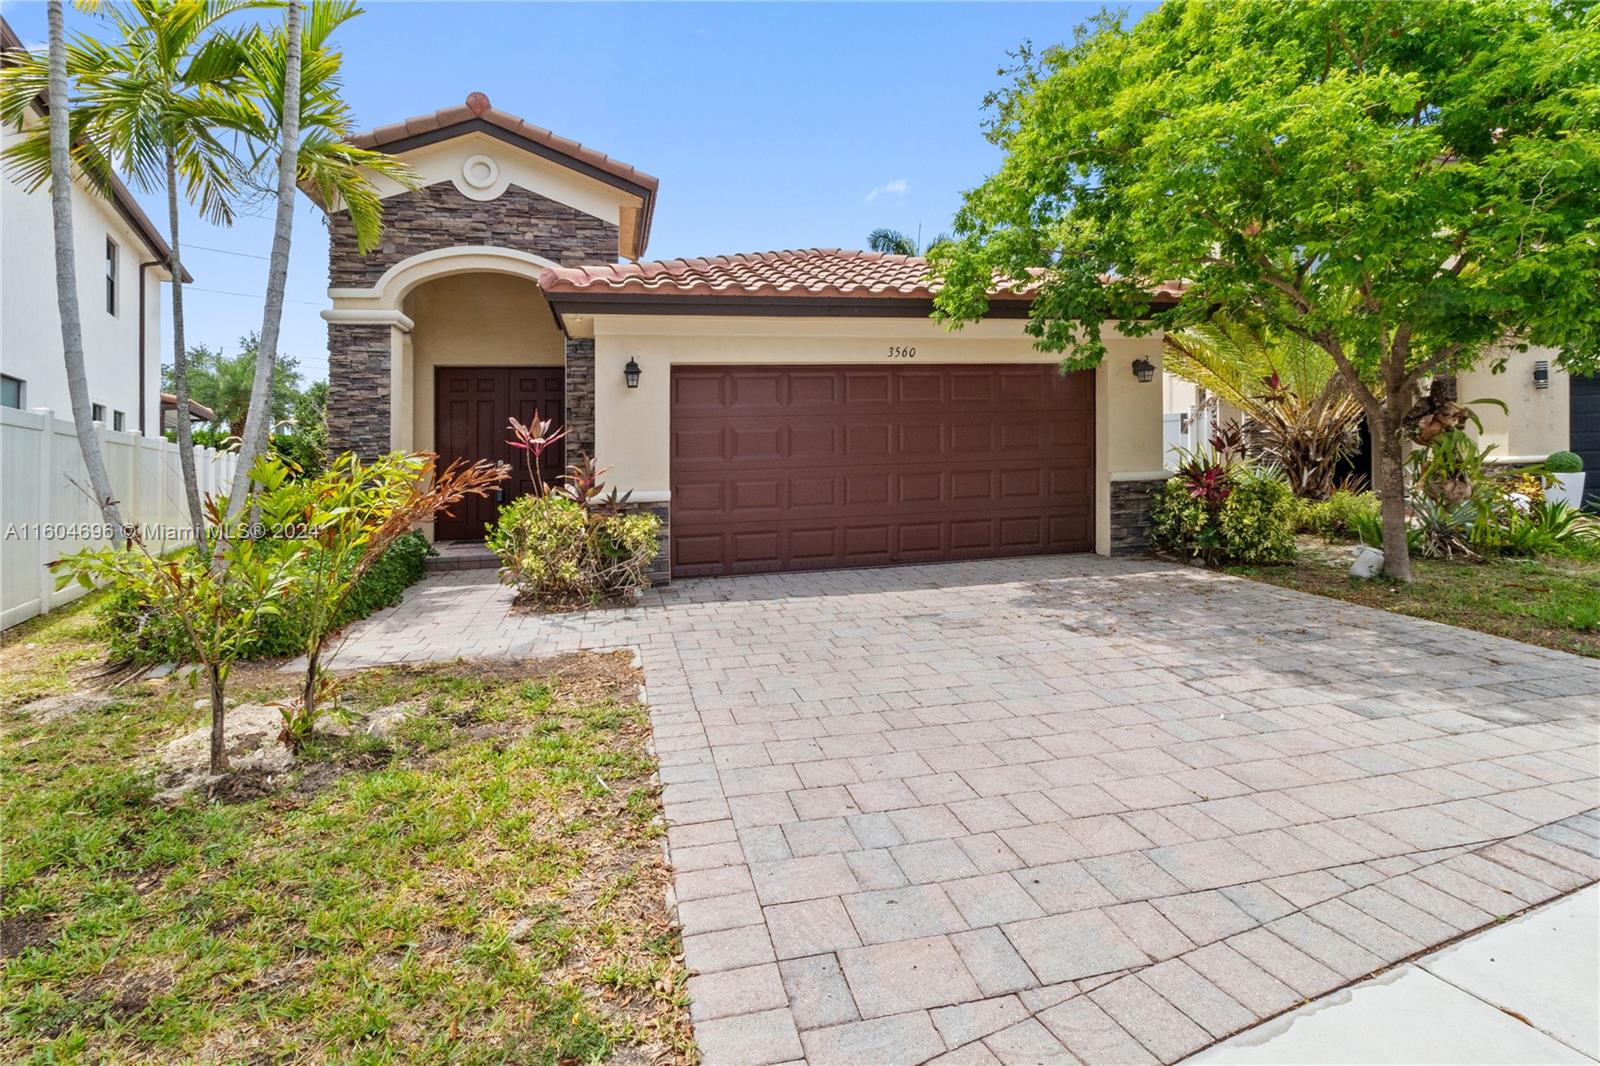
(477, 115)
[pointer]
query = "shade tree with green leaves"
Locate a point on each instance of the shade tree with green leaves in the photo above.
(1406, 186)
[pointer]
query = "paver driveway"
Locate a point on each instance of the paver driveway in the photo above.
(1068, 808)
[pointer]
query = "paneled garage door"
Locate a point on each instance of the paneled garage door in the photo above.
(802, 468)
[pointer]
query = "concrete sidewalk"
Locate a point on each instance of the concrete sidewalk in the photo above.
(1526, 991)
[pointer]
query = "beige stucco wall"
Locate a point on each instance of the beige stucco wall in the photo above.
(1537, 420)
(632, 425)
(467, 320)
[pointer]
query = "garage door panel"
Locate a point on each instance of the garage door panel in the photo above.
(815, 467)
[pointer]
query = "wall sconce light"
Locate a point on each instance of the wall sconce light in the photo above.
(1144, 369)
(630, 374)
(1541, 374)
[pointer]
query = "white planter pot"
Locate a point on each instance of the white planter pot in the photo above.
(1568, 489)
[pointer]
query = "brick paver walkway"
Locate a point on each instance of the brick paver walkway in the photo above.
(1063, 809)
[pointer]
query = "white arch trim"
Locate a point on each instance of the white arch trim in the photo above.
(390, 289)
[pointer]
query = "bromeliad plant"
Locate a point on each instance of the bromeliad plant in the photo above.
(349, 516)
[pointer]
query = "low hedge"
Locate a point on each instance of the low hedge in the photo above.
(138, 635)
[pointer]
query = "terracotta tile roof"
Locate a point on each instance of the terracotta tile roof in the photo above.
(477, 107)
(831, 275)
(808, 273)
(198, 412)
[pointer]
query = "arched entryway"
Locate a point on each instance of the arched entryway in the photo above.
(483, 348)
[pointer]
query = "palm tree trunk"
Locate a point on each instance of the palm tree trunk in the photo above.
(258, 420)
(180, 364)
(67, 280)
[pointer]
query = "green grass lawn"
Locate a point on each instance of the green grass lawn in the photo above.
(486, 886)
(1551, 602)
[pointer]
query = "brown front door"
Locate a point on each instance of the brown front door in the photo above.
(796, 468)
(473, 407)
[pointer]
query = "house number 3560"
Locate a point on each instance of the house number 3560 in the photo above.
(902, 351)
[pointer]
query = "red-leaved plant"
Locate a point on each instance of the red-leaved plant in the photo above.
(533, 439)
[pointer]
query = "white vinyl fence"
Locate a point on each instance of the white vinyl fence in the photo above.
(46, 509)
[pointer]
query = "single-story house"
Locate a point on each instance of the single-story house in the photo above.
(779, 410)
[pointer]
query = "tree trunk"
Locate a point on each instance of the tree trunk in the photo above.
(258, 420)
(1389, 478)
(180, 366)
(308, 696)
(67, 281)
(219, 751)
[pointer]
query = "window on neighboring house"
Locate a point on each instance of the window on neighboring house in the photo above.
(119, 421)
(11, 392)
(97, 412)
(111, 276)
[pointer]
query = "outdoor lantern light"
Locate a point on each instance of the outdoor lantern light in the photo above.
(1144, 369)
(1541, 375)
(630, 374)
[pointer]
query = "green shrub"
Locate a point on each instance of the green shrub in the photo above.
(1339, 516)
(1257, 521)
(142, 636)
(1564, 463)
(1254, 522)
(559, 553)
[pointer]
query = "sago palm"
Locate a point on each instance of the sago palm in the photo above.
(1297, 411)
(151, 101)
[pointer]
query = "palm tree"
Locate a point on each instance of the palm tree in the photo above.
(1298, 411)
(60, 140)
(297, 118)
(893, 242)
(149, 104)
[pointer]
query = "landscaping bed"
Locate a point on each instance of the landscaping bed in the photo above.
(483, 881)
(1552, 602)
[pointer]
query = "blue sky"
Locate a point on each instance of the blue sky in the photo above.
(769, 125)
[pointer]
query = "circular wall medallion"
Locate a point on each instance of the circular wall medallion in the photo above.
(479, 171)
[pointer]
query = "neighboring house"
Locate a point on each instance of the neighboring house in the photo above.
(121, 262)
(780, 410)
(198, 412)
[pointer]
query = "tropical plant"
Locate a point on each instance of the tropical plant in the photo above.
(150, 101)
(220, 609)
(1221, 507)
(1299, 415)
(294, 116)
(893, 242)
(1443, 530)
(1340, 515)
(574, 545)
(350, 515)
(222, 382)
(1404, 185)
(57, 145)
(533, 440)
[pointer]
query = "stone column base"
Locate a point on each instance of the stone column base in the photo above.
(1130, 514)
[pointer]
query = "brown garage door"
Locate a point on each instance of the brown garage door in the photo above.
(798, 468)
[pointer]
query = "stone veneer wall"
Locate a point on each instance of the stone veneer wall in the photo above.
(439, 216)
(579, 390)
(660, 571)
(358, 389)
(424, 220)
(1130, 514)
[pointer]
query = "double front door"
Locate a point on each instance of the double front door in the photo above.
(473, 408)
